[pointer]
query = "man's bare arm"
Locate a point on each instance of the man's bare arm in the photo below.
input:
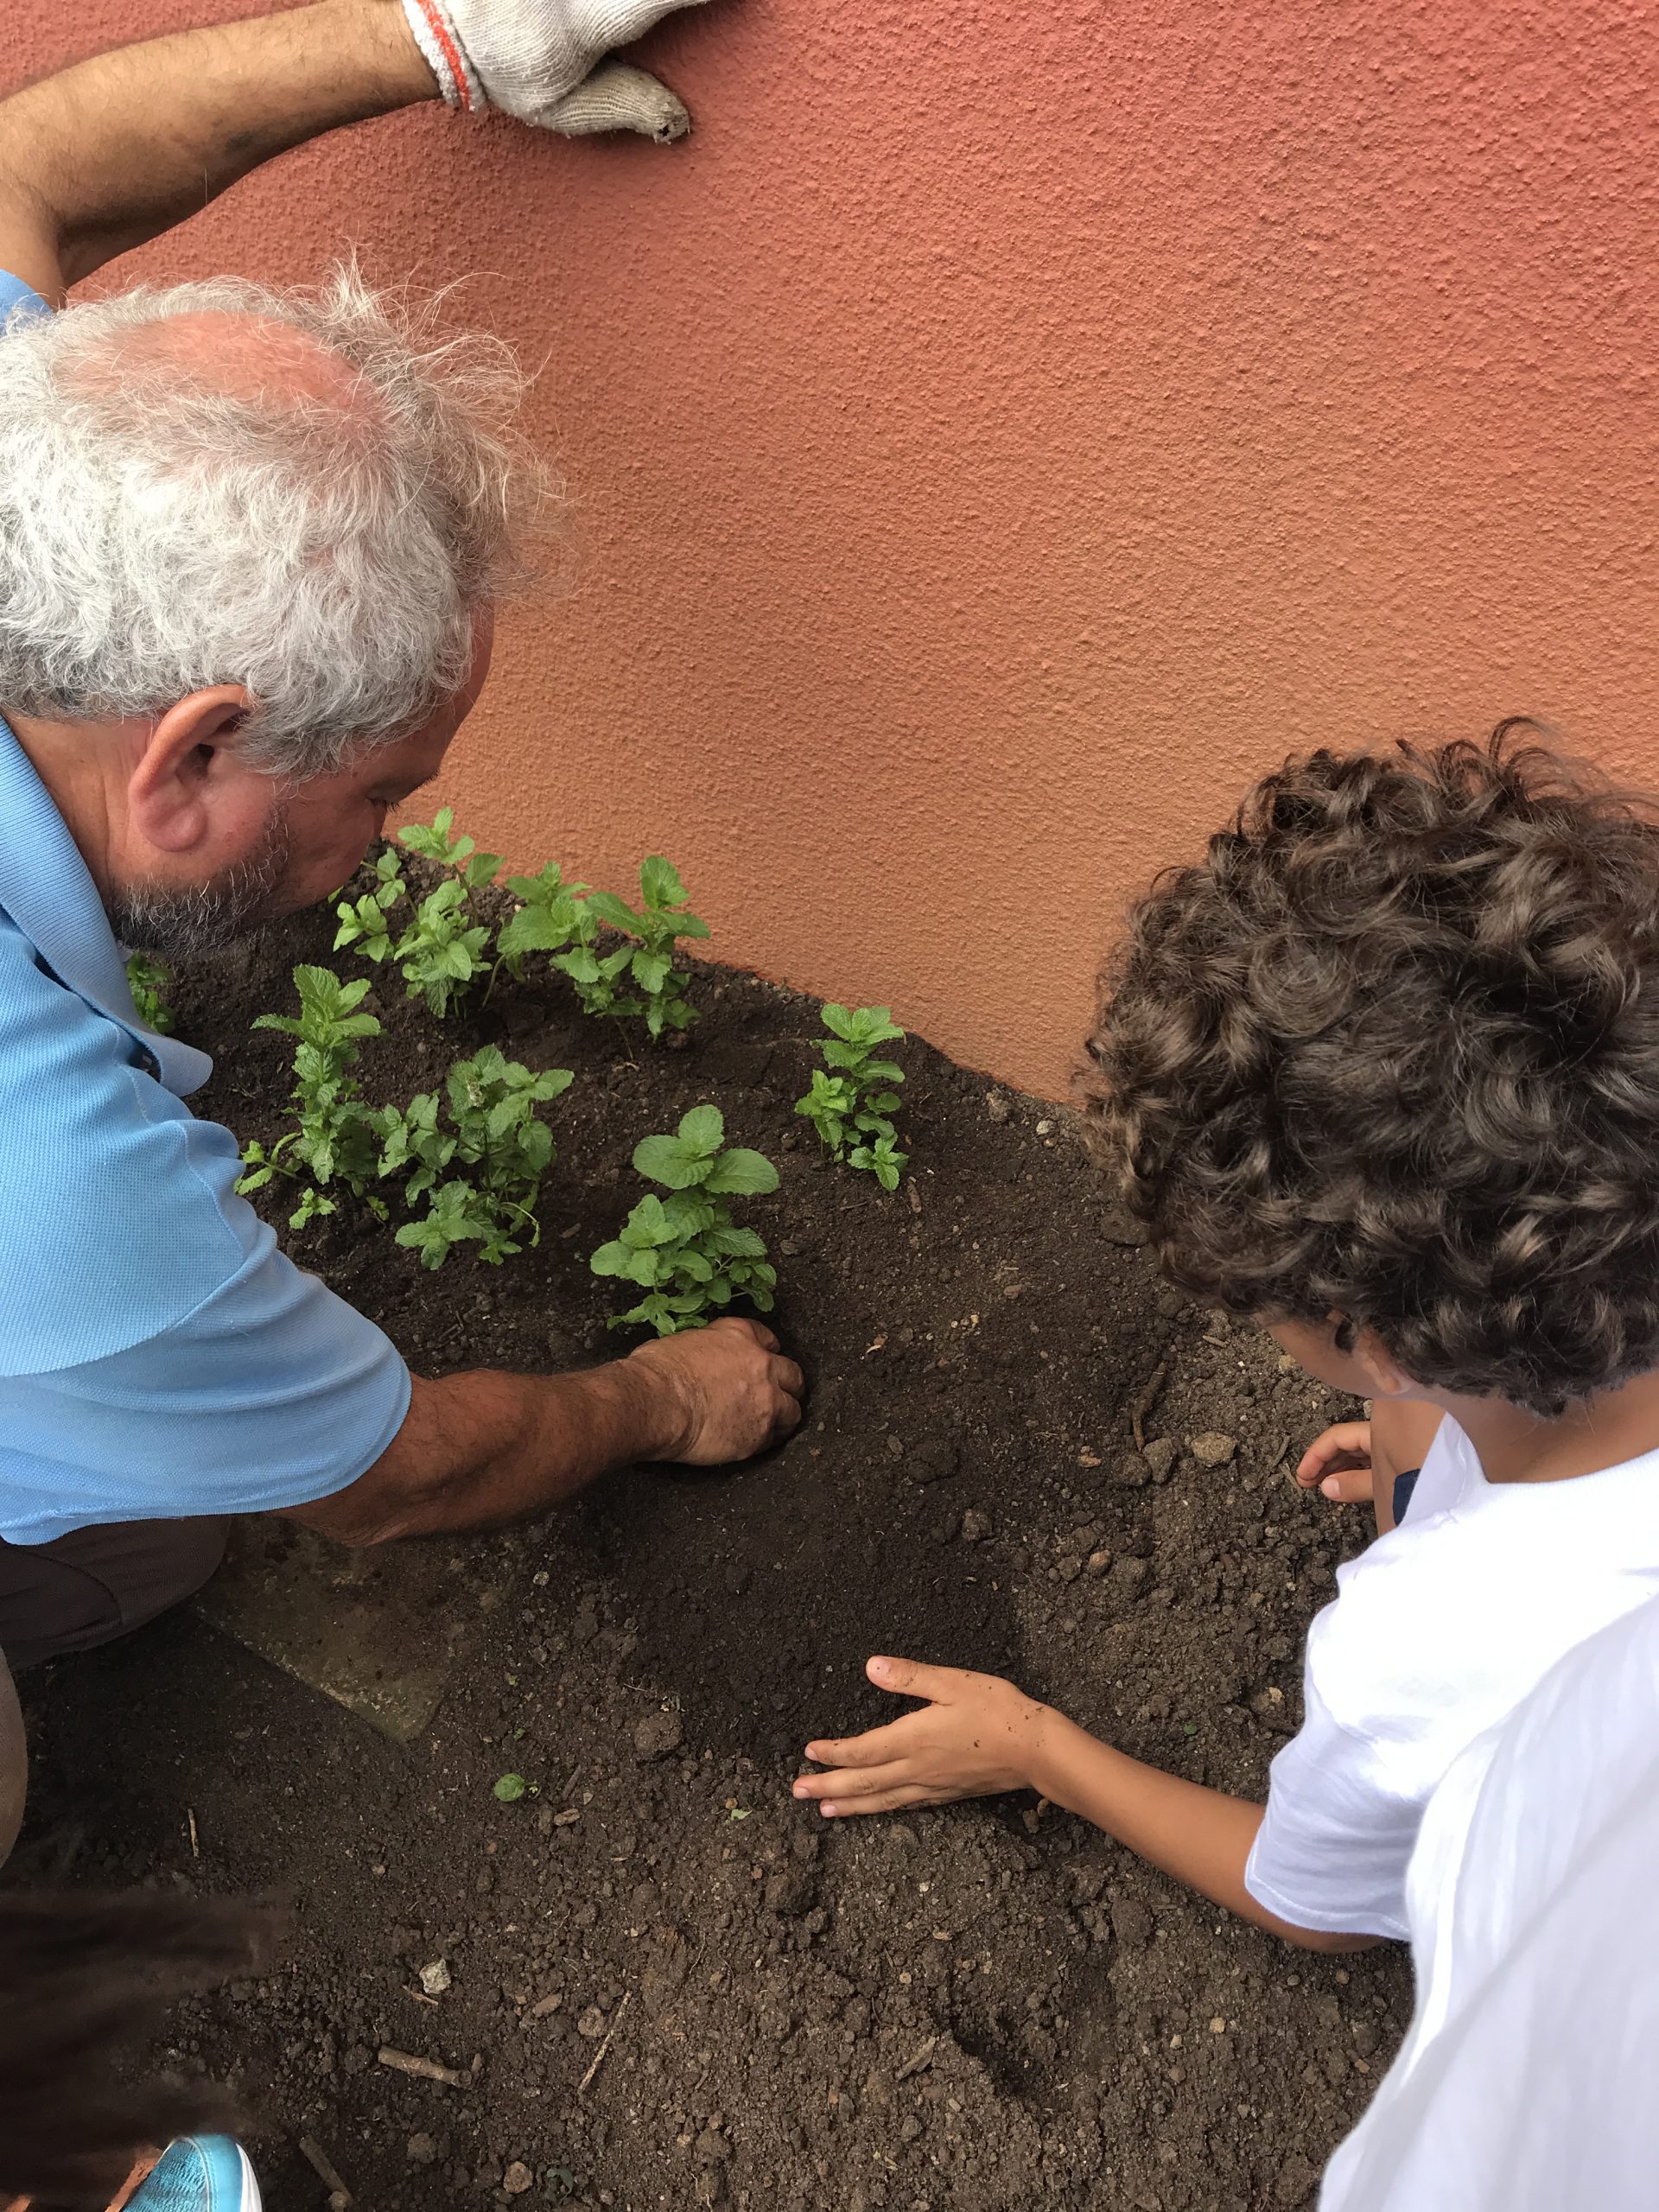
(118, 149)
(480, 1450)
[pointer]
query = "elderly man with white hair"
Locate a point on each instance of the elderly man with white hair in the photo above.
(250, 545)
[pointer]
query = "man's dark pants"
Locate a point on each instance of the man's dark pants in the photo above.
(80, 1590)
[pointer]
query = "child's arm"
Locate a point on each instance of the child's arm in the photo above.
(977, 1736)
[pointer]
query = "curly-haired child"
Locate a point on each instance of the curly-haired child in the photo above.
(1383, 1073)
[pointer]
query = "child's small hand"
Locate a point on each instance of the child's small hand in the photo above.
(976, 1735)
(1339, 1462)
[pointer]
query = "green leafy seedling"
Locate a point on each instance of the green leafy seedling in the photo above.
(363, 928)
(441, 952)
(510, 1788)
(852, 1097)
(147, 980)
(335, 1139)
(493, 1132)
(639, 977)
(547, 919)
(685, 1251)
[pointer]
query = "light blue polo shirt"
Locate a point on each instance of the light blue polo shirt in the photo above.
(159, 1356)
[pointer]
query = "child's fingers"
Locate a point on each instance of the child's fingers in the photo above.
(1347, 1485)
(874, 1748)
(892, 1799)
(909, 1678)
(1346, 1440)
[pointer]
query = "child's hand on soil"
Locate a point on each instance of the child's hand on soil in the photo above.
(975, 1736)
(1340, 1463)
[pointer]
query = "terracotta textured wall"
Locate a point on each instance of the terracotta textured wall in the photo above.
(1003, 430)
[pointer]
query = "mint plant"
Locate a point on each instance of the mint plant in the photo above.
(547, 919)
(335, 1139)
(363, 928)
(441, 950)
(684, 1251)
(494, 1133)
(852, 1097)
(147, 980)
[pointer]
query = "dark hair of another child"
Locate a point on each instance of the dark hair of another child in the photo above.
(83, 1979)
(1390, 1052)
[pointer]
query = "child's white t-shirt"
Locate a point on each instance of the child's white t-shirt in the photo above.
(1437, 1632)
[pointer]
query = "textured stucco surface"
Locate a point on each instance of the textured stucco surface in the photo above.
(1000, 431)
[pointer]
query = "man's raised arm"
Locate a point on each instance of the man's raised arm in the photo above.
(120, 148)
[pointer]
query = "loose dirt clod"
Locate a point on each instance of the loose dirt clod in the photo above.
(657, 1734)
(1212, 1448)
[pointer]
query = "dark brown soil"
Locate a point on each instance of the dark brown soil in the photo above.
(977, 2008)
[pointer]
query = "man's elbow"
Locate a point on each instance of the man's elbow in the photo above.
(368, 1513)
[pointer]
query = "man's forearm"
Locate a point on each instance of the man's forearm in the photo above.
(485, 1449)
(1201, 1836)
(119, 148)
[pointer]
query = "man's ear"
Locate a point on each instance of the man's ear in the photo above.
(168, 792)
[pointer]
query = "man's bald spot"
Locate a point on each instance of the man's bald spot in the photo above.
(256, 358)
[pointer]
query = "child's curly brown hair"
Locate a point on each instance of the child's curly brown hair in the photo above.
(1391, 1052)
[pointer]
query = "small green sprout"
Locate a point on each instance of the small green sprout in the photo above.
(336, 1137)
(147, 980)
(852, 1095)
(685, 1251)
(510, 1788)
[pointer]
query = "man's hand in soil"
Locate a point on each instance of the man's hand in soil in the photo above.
(977, 1736)
(481, 1450)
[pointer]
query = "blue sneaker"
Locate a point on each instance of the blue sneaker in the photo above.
(202, 2173)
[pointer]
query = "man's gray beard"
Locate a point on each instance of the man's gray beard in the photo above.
(179, 925)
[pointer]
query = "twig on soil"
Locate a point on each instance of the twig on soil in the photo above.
(340, 2197)
(195, 1846)
(425, 2069)
(1143, 1405)
(918, 2060)
(600, 2054)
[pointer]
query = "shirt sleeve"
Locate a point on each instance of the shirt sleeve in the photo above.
(1334, 1844)
(14, 293)
(272, 1393)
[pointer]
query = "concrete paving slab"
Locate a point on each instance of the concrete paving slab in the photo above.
(375, 1630)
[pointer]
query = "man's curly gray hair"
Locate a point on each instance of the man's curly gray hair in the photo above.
(326, 541)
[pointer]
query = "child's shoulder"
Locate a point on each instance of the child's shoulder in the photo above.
(1480, 1590)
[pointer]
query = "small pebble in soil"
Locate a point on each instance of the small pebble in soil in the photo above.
(518, 2178)
(434, 1978)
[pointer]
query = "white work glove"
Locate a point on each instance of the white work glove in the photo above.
(542, 61)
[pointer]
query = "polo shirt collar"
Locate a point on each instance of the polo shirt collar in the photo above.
(47, 890)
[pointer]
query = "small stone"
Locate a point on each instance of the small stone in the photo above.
(434, 1978)
(1213, 1449)
(657, 1734)
(1131, 1923)
(975, 1526)
(997, 1106)
(518, 2178)
(1160, 1456)
(1132, 1468)
(421, 2150)
(590, 2023)
(1098, 1562)
(1044, 1129)
(1217, 2026)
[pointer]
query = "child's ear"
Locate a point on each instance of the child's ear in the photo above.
(1385, 1377)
